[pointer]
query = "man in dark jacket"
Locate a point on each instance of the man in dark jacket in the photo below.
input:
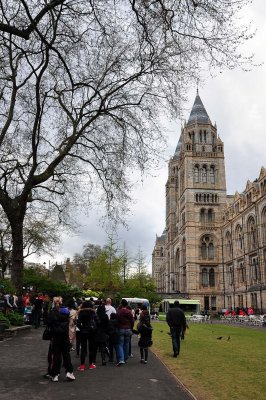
(176, 320)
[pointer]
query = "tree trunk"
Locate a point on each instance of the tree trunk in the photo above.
(17, 253)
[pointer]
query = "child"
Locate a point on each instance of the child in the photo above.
(145, 330)
(113, 336)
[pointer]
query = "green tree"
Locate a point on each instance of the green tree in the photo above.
(83, 84)
(141, 285)
(104, 276)
(32, 278)
(106, 270)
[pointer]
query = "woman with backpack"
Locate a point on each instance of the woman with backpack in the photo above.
(58, 322)
(87, 325)
(144, 329)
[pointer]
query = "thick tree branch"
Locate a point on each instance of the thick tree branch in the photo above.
(25, 33)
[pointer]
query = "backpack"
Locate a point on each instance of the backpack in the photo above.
(146, 320)
(89, 327)
(92, 326)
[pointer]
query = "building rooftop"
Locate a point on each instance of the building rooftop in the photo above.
(198, 113)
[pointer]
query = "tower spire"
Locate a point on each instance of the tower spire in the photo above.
(198, 113)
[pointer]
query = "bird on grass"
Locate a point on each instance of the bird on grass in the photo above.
(219, 338)
(229, 337)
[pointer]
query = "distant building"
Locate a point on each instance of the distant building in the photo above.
(58, 274)
(213, 247)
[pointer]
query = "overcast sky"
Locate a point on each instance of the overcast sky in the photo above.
(236, 101)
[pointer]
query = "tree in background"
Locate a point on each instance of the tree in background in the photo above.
(140, 282)
(91, 252)
(42, 283)
(82, 261)
(106, 271)
(41, 235)
(82, 88)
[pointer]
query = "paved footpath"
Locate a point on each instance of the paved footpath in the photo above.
(23, 362)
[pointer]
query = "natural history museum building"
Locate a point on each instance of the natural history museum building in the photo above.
(213, 247)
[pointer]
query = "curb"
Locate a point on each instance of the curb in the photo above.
(14, 330)
(182, 386)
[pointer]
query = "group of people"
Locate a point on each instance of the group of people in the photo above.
(33, 306)
(89, 329)
(92, 330)
(239, 311)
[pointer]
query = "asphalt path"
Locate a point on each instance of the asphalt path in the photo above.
(23, 362)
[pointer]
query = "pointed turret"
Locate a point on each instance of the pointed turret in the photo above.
(198, 113)
(178, 148)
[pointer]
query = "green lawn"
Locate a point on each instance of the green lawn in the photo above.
(227, 369)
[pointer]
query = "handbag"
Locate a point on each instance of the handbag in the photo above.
(47, 333)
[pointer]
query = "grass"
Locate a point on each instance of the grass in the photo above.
(227, 369)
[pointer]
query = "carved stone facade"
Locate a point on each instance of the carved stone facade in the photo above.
(213, 247)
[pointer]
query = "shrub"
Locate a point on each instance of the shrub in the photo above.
(15, 318)
(4, 321)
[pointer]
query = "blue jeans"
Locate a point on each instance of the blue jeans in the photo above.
(123, 344)
(176, 332)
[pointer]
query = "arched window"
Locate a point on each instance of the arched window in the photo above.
(242, 273)
(200, 136)
(252, 234)
(203, 250)
(210, 215)
(205, 281)
(212, 174)
(231, 275)
(207, 247)
(210, 251)
(204, 174)
(196, 174)
(184, 279)
(255, 269)
(202, 215)
(239, 239)
(228, 245)
(184, 252)
(182, 181)
(211, 277)
(263, 225)
(177, 259)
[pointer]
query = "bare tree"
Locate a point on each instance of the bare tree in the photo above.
(82, 84)
(91, 251)
(41, 235)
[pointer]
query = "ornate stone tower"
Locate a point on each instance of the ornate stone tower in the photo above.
(213, 247)
(195, 197)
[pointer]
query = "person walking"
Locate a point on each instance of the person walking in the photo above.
(101, 336)
(125, 325)
(87, 325)
(109, 311)
(113, 338)
(109, 308)
(144, 329)
(72, 323)
(58, 321)
(37, 304)
(176, 320)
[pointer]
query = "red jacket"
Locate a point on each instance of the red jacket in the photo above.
(125, 318)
